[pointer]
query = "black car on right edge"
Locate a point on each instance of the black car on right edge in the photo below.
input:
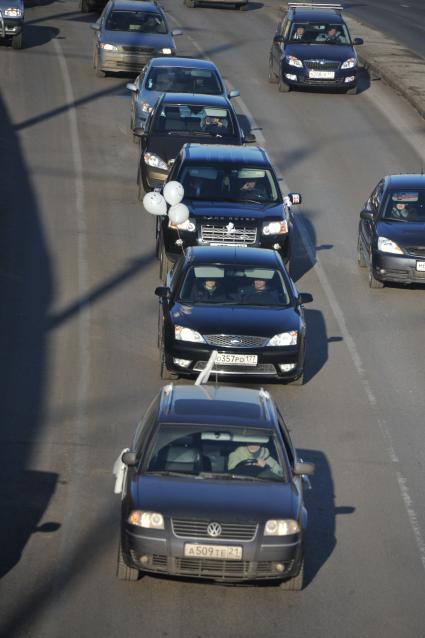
(391, 239)
(234, 199)
(313, 48)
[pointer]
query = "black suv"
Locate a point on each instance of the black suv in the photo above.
(233, 198)
(179, 118)
(212, 487)
(238, 301)
(313, 48)
(391, 240)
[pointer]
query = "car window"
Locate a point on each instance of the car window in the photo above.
(194, 120)
(376, 197)
(405, 205)
(139, 21)
(232, 452)
(229, 183)
(287, 441)
(233, 285)
(145, 425)
(319, 32)
(183, 80)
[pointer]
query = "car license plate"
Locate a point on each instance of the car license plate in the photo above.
(228, 359)
(216, 243)
(420, 265)
(221, 552)
(321, 75)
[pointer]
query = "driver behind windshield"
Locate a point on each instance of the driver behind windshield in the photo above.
(255, 455)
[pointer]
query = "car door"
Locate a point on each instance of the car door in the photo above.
(367, 227)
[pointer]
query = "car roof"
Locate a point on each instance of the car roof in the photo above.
(248, 256)
(192, 404)
(406, 180)
(191, 63)
(254, 155)
(136, 5)
(315, 15)
(198, 99)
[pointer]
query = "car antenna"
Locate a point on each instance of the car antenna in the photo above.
(204, 375)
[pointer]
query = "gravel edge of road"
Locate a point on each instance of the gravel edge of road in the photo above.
(402, 69)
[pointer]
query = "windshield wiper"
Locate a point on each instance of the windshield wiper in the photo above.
(171, 473)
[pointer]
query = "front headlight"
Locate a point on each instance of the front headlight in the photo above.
(188, 225)
(108, 47)
(13, 12)
(154, 160)
(349, 64)
(150, 520)
(187, 334)
(293, 61)
(284, 339)
(281, 527)
(386, 245)
(275, 228)
(166, 51)
(146, 107)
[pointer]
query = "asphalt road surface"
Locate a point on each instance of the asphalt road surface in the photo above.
(403, 20)
(79, 362)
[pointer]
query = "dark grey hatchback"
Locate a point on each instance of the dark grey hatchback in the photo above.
(212, 488)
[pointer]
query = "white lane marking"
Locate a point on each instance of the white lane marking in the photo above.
(349, 341)
(81, 421)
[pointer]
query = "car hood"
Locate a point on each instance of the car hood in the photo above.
(169, 146)
(403, 233)
(129, 38)
(337, 52)
(231, 500)
(236, 320)
(234, 210)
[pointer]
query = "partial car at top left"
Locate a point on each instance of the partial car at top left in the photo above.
(128, 34)
(12, 22)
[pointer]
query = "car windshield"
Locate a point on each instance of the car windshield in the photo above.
(319, 33)
(183, 80)
(234, 285)
(140, 21)
(190, 120)
(406, 206)
(205, 451)
(229, 183)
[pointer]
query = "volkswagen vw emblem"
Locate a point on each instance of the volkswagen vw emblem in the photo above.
(214, 529)
(230, 228)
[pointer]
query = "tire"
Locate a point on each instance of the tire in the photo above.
(124, 572)
(164, 263)
(373, 282)
(191, 4)
(84, 6)
(353, 91)
(298, 381)
(271, 76)
(100, 73)
(17, 40)
(166, 374)
(296, 583)
(361, 261)
(283, 87)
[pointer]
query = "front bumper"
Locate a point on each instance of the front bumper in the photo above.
(12, 26)
(397, 268)
(344, 78)
(163, 553)
(116, 61)
(269, 359)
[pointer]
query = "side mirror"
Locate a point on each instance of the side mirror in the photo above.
(129, 459)
(232, 94)
(132, 87)
(95, 26)
(250, 138)
(162, 291)
(358, 41)
(304, 468)
(295, 198)
(176, 32)
(305, 297)
(278, 38)
(367, 215)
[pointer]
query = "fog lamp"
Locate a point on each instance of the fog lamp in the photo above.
(351, 78)
(277, 246)
(279, 567)
(291, 76)
(183, 363)
(286, 367)
(144, 559)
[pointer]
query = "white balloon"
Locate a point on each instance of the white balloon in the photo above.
(173, 193)
(178, 214)
(155, 204)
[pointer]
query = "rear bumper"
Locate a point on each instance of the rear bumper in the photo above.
(397, 268)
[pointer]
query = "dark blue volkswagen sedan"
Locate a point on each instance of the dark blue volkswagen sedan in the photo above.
(212, 487)
(240, 302)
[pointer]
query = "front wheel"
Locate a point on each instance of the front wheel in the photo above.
(17, 41)
(373, 282)
(298, 381)
(296, 583)
(84, 6)
(124, 572)
(361, 261)
(353, 91)
(271, 76)
(283, 87)
(166, 374)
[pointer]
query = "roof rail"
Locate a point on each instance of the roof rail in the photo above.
(314, 5)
